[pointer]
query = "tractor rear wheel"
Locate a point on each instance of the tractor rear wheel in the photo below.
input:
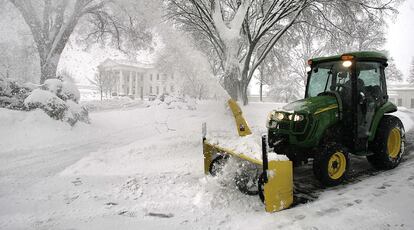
(389, 143)
(331, 166)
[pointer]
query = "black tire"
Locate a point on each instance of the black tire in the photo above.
(385, 157)
(331, 165)
(217, 165)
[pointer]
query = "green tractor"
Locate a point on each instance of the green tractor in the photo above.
(345, 110)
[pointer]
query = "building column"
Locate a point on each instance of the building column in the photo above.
(136, 85)
(130, 83)
(121, 83)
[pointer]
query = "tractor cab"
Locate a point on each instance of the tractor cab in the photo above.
(357, 81)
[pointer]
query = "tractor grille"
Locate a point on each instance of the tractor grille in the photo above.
(300, 125)
(284, 125)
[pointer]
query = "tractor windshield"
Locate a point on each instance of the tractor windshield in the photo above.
(327, 76)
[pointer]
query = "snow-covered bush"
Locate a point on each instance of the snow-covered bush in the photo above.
(70, 92)
(48, 102)
(65, 90)
(13, 93)
(76, 113)
(59, 99)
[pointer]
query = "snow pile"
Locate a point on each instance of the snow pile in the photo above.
(175, 102)
(248, 145)
(13, 93)
(34, 129)
(59, 100)
(119, 103)
(223, 131)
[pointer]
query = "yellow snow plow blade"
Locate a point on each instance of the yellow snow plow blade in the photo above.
(278, 191)
(277, 183)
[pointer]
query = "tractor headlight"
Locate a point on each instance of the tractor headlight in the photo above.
(279, 116)
(298, 117)
(295, 117)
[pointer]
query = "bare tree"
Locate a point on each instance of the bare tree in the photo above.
(103, 82)
(191, 68)
(52, 22)
(241, 33)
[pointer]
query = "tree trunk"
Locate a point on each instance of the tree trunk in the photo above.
(261, 91)
(231, 82)
(48, 68)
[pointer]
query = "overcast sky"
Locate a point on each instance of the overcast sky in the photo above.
(400, 39)
(400, 43)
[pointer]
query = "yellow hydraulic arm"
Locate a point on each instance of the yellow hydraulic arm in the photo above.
(242, 127)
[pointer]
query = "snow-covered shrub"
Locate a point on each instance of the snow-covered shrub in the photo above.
(76, 113)
(70, 92)
(59, 99)
(13, 93)
(47, 101)
(53, 85)
(65, 90)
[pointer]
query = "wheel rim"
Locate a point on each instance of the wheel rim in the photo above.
(394, 143)
(336, 165)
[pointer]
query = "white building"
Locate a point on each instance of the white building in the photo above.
(402, 95)
(137, 80)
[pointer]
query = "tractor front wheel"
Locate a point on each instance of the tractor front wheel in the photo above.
(331, 165)
(388, 145)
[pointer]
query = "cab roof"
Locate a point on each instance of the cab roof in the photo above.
(362, 55)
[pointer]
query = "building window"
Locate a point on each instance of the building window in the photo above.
(142, 77)
(150, 89)
(412, 103)
(172, 76)
(172, 89)
(150, 77)
(399, 103)
(165, 89)
(158, 76)
(158, 90)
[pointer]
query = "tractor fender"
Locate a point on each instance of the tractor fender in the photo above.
(388, 107)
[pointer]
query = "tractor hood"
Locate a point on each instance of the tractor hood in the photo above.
(311, 105)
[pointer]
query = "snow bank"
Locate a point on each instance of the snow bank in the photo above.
(223, 131)
(174, 102)
(113, 104)
(406, 117)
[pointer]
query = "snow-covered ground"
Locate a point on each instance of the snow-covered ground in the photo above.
(142, 168)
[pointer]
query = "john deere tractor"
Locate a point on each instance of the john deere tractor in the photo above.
(345, 110)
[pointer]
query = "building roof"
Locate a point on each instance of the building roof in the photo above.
(361, 54)
(400, 87)
(127, 63)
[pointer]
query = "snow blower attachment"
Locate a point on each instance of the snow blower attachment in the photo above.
(271, 180)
